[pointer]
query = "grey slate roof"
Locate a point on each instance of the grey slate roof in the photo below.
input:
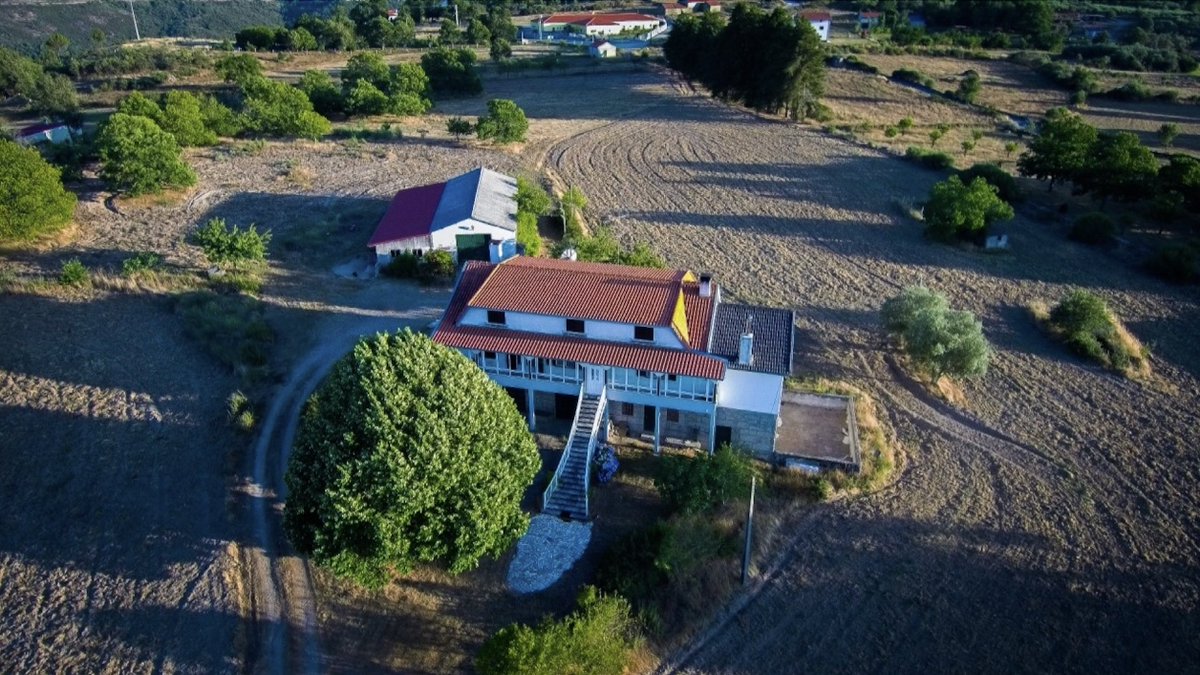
(482, 195)
(773, 331)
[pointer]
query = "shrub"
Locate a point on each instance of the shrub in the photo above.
(231, 328)
(138, 157)
(407, 454)
(402, 266)
(33, 201)
(1094, 229)
(531, 198)
(504, 123)
(74, 273)
(527, 233)
(1089, 329)
(702, 483)
(240, 412)
(232, 244)
(913, 76)
(938, 340)
(1003, 181)
(937, 161)
(964, 211)
(459, 127)
(452, 71)
(437, 266)
(278, 109)
(140, 263)
(605, 465)
(1176, 263)
(238, 68)
(183, 118)
(1167, 134)
(598, 638)
(969, 87)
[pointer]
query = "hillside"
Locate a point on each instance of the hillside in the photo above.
(25, 24)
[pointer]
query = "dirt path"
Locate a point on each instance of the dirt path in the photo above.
(284, 604)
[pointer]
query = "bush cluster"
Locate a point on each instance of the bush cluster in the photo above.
(1177, 263)
(230, 327)
(433, 267)
(504, 123)
(232, 245)
(33, 201)
(1003, 181)
(938, 340)
(958, 210)
(74, 273)
(1086, 325)
(938, 161)
(1094, 229)
(697, 484)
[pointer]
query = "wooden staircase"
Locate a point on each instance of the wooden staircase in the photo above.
(567, 494)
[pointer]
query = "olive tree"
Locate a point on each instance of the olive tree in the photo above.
(407, 454)
(32, 198)
(938, 340)
(136, 156)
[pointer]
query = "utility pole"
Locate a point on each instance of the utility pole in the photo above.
(749, 529)
(136, 34)
(456, 24)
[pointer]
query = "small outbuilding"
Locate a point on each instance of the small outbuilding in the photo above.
(53, 133)
(602, 49)
(473, 216)
(820, 20)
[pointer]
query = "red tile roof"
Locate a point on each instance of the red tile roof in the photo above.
(477, 274)
(816, 15)
(589, 19)
(597, 291)
(409, 215)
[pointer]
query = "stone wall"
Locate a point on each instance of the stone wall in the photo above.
(752, 431)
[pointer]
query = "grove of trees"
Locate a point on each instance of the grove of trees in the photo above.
(407, 454)
(138, 157)
(33, 201)
(770, 62)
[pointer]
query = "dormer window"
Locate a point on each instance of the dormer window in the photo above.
(496, 317)
(575, 326)
(643, 333)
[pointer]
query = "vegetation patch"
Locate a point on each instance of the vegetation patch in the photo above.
(930, 159)
(599, 638)
(1083, 321)
(936, 339)
(230, 327)
(1177, 263)
(74, 274)
(1094, 229)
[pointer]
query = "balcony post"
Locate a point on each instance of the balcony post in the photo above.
(529, 405)
(658, 429)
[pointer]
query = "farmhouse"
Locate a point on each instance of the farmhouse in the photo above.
(53, 133)
(655, 353)
(473, 216)
(820, 21)
(599, 23)
(602, 49)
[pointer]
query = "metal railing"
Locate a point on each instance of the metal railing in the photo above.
(591, 449)
(562, 461)
(551, 373)
(629, 380)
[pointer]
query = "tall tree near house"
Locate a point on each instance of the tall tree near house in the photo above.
(138, 157)
(33, 201)
(407, 454)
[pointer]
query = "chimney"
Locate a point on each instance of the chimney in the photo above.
(705, 285)
(746, 345)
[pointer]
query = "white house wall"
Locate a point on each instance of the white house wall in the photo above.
(446, 236)
(752, 392)
(556, 325)
(822, 28)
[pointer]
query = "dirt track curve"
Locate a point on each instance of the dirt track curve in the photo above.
(1052, 525)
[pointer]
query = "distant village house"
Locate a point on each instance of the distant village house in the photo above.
(599, 24)
(820, 21)
(53, 133)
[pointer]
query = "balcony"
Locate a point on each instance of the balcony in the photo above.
(529, 368)
(657, 384)
(623, 379)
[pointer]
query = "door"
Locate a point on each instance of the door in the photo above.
(724, 435)
(472, 247)
(595, 380)
(564, 407)
(648, 418)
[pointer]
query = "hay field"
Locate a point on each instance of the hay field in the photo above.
(1052, 524)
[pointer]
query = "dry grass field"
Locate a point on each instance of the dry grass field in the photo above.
(1053, 523)
(1145, 119)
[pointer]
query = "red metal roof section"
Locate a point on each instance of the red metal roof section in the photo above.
(38, 128)
(615, 354)
(582, 290)
(589, 19)
(409, 215)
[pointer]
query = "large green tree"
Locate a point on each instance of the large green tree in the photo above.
(938, 340)
(407, 454)
(963, 210)
(278, 109)
(183, 118)
(1118, 166)
(1060, 150)
(32, 198)
(504, 123)
(137, 156)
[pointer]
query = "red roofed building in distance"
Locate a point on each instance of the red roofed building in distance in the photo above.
(598, 24)
(654, 352)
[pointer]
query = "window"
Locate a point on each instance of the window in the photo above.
(671, 377)
(514, 361)
(574, 325)
(643, 333)
(644, 373)
(626, 408)
(489, 355)
(672, 415)
(495, 317)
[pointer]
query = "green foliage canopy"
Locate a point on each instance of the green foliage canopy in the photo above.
(1118, 166)
(407, 454)
(504, 123)
(1060, 150)
(138, 157)
(452, 71)
(223, 244)
(277, 109)
(938, 340)
(964, 211)
(702, 483)
(33, 201)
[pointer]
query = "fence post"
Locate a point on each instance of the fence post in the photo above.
(749, 528)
